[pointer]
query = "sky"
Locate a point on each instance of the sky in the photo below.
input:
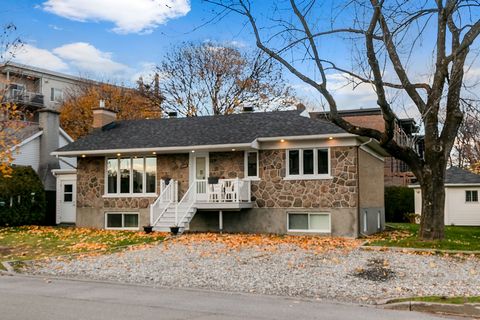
(120, 40)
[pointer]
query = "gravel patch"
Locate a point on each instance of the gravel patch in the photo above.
(286, 269)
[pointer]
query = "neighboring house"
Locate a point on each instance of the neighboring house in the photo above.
(34, 143)
(397, 173)
(263, 172)
(462, 189)
(35, 88)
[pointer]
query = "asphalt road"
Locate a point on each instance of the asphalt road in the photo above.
(23, 297)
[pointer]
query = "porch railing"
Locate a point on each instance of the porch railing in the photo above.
(226, 190)
(168, 195)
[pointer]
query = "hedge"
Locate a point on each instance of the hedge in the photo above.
(22, 198)
(399, 201)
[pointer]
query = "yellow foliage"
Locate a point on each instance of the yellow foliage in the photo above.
(10, 125)
(76, 114)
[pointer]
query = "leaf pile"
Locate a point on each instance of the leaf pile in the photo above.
(266, 242)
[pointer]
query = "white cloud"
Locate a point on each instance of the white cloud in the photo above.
(37, 57)
(86, 58)
(129, 16)
(146, 71)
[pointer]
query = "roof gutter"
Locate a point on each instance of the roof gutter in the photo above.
(308, 137)
(251, 145)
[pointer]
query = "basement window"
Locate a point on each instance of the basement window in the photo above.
(121, 221)
(309, 222)
(471, 196)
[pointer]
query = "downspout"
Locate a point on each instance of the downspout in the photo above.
(358, 191)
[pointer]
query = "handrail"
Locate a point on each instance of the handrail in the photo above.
(184, 198)
(168, 193)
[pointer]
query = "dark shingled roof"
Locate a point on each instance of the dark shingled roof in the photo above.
(457, 175)
(198, 131)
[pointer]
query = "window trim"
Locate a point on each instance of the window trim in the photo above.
(52, 94)
(123, 220)
(309, 214)
(471, 201)
(301, 175)
(130, 194)
(245, 162)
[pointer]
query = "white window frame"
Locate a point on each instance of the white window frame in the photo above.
(130, 194)
(301, 175)
(245, 161)
(123, 221)
(52, 94)
(471, 201)
(310, 230)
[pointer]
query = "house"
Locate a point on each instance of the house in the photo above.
(260, 172)
(397, 173)
(37, 93)
(462, 207)
(33, 87)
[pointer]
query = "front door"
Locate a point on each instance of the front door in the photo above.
(200, 174)
(68, 200)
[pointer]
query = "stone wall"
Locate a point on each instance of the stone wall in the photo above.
(272, 191)
(227, 165)
(174, 166)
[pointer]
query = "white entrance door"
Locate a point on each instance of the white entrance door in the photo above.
(200, 174)
(68, 196)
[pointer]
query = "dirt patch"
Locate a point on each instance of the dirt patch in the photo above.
(5, 251)
(376, 270)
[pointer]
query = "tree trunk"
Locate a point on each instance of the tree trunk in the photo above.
(432, 223)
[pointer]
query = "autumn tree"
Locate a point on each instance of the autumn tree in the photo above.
(10, 115)
(76, 115)
(206, 79)
(390, 41)
(466, 148)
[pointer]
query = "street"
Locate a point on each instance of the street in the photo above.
(23, 297)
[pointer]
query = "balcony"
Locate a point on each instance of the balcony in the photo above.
(24, 97)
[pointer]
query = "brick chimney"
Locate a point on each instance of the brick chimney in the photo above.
(103, 116)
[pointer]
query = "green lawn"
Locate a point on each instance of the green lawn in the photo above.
(437, 299)
(405, 235)
(33, 242)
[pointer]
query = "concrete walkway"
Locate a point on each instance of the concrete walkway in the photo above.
(24, 297)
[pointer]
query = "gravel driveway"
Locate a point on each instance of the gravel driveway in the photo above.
(342, 273)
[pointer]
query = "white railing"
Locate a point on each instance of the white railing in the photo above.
(228, 190)
(168, 195)
(186, 204)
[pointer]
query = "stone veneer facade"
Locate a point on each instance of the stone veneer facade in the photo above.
(273, 195)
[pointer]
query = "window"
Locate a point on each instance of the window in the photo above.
(308, 163)
(471, 196)
(68, 193)
(251, 164)
(121, 221)
(56, 94)
(127, 176)
(309, 222)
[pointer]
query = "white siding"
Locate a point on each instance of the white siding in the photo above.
(73, 161)
(457, 211)
(28, 154)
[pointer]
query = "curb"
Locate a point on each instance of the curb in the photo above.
(471, 310)
(402, 249)
(8, 267)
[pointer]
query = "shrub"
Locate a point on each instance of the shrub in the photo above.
(22, 198)
(399, 201)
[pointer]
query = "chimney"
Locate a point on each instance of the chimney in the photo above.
(49, 122)
(172, 114)
(300, 107)
(103, 116)
(247, 109)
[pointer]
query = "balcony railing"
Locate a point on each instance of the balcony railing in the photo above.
(24, 97)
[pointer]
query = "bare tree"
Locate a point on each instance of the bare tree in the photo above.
(466, 149)
(387, 35)
(204, 79)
